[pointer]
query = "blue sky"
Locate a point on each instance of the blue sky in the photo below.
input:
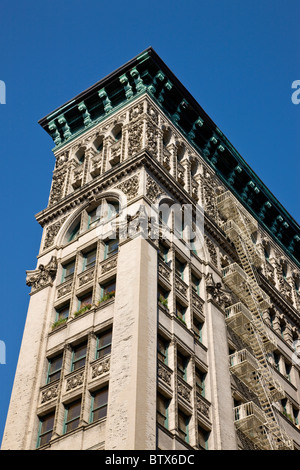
(238, 58)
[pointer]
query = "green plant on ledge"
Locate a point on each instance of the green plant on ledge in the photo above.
(107, 296)
(163, 301)
(59, 322)
(181, 319)
(83, 309)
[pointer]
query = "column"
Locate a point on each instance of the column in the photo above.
(131, 418)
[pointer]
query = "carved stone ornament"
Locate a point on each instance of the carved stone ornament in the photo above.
(153, 190)
(135, 138)
(52, 231)
(50, 393)
(164, 374)
(101, 367)
(42, 276)
(212, 250)
(130, 187)
(218, 293)
(57, 187)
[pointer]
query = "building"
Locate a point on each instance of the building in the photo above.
(140, 335)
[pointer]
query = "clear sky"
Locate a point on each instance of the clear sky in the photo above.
(238, 58)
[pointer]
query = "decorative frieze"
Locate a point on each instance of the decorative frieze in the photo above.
(135, 138)
(164, 373)
(184, 390)
(50, 392)
(197, 303)
(64, 289)
(181, 287)
(164, 271)
(100, 367)
(42, 276)
(74, 381)
(211, 250)
(202, 406)
(109, 265)
(152, 138)
(86, 276)
(153, 190)
(130, 187)
(51, 232)
(58, 185)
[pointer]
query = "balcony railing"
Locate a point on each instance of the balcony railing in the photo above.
(250, 419)
(244, 366)
(238, 318)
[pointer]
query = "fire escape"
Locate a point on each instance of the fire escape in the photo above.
(245, 318)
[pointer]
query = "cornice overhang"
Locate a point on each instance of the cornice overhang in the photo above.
(147, 73)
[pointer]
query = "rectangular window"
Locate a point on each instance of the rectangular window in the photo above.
(296, 416)
(288, 368)
(183, 426)
(108, 290)
(103, 344)
(72, 416)
(196, 284)
(200, 382)
(86, 300)
(99, 404)
(68, 271)
(197, 328)
(111, 248)
(180, 311)
(162, 350)
(54, 368)
(78, 356)
(45, 429)
(162, 296)
(182, 362)
(89, 259)
(277, 361)
(164, 253)
(203, 436)
(179, 268)
(62, 313)
(162, 410)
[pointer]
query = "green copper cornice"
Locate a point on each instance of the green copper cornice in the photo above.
(148, 73)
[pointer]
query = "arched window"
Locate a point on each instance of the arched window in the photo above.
(166, 137)
(104, 211)
(117, 132)
(98, 144)
(180, 152)
(267, 251)
(73, 232)
(80, 156)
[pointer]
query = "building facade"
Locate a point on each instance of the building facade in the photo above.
(147, 330)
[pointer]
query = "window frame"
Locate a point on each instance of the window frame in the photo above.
(107, 243)
(87, 265)
(166, 348)
(56, 371)
(74, 360)
(72, 420)
(187, 422)
(166, 402)
(43, 434)
(98, 348)
(92, 410)
(64, 276)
